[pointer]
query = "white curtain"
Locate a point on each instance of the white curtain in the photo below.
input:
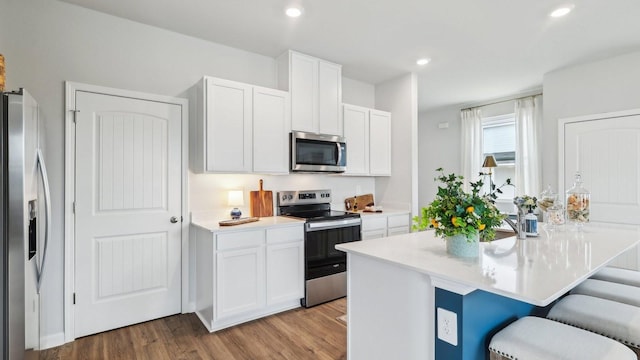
(471, 145)
(528, 112)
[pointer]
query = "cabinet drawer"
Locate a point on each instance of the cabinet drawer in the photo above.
(285, 234)
(398, 220)
(239, 240)
(376, 223)
(398, 230)
(373, 234)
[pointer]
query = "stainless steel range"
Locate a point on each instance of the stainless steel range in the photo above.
(325, 267)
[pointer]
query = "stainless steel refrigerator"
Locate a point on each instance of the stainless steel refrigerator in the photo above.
(25, 223)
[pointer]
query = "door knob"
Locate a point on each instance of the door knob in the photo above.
(174, 219)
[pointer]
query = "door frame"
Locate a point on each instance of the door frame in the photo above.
(69, 186)
(562, 123)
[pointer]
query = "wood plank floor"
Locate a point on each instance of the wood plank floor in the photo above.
(296, 334)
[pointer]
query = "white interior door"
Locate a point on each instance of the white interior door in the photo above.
(128, 187)
(606, 151)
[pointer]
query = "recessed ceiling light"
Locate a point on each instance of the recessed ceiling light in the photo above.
(423, 61)
(562, 11)
(293, 12)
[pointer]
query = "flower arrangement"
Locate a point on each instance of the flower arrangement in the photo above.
(455, 212)
(526, 201)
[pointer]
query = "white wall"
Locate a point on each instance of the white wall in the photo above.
(47, 42)
(607, 85)
(400, 97)
(437, 148)
(359, 93)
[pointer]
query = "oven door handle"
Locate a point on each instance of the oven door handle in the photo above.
(332, 224)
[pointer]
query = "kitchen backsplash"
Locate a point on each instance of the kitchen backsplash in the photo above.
(208, 192)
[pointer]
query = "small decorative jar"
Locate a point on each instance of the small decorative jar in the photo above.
(578, 199)
(548, 198)
(555, 214)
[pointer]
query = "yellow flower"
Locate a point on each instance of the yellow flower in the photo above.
(470, 209)
(481, 227)
(454, 221)
(434, 223)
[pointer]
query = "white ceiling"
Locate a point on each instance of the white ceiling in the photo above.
(480, 49)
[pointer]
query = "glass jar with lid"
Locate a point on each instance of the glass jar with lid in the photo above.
(546, 200)
(578, 199)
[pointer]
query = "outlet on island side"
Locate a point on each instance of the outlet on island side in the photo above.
(447, 326)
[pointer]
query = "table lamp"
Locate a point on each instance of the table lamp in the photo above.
(490, 162)
(235, 199)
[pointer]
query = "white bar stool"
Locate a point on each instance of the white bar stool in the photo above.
(609, 290)
(617, 275)
(534, 338)
(612, 319)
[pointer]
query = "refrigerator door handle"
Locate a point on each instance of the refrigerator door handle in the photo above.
(47, 217)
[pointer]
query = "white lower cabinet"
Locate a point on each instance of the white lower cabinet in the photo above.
(245, 275)
(375, 226)
(240, 278)
(284, 278)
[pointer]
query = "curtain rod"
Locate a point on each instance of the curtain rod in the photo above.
(501, 101)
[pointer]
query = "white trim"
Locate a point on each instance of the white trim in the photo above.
(451, 286)
(53, 340)
(69, 220)
(562, 123)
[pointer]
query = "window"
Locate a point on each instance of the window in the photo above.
(499, 140)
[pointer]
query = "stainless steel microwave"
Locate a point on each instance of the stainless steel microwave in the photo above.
(317, 153)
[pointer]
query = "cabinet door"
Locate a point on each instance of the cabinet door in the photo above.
(271, 127)
(304, 92)
(240, 283)
(285, 272)
(228, 126)
(379, 143)
(356, 132)
(329, 98)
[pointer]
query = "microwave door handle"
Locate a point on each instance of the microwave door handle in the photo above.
(339, 154)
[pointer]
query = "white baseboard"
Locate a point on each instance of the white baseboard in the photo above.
(191, 307)
(52, 340)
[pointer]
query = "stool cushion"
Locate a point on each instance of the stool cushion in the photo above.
(605, 317)
(617, 275)
(609, 290)
(533, 338)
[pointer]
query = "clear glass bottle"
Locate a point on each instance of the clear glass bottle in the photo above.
(578, 199)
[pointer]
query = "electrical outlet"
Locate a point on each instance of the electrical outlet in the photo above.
(448, 326)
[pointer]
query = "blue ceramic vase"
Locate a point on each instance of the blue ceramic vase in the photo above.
(461, 246)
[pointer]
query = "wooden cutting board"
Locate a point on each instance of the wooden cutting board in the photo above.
(357, 203)
(261, 202)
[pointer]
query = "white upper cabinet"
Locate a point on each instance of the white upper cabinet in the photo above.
(315, 86)
(271, 126)
(227, 119)
(239, 128)
(356, 131)
(379, 143)
(329, 98)
(368, 137)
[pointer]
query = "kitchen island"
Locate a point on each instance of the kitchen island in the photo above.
(397, 286)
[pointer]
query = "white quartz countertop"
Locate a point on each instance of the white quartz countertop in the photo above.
(536, 270)
(212, 225)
